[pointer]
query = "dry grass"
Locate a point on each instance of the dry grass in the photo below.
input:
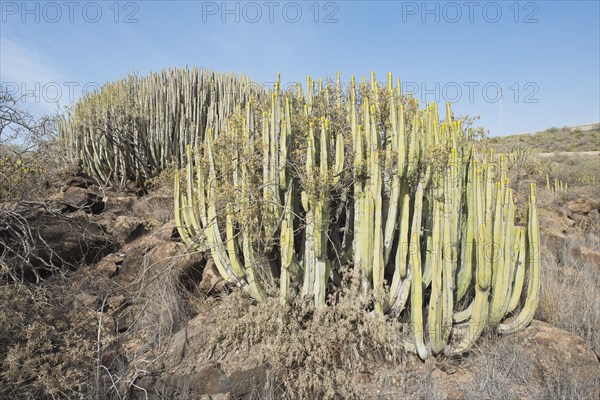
(163, 303)
(562, 385)
(156, 209)
(506, 370)
(570, 297)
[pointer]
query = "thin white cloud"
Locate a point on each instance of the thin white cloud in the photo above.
(23, 71)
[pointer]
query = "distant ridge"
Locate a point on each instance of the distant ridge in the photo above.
(584, 138)
(582, 128)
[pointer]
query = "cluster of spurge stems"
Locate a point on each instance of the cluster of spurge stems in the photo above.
(130, 130)
(304, 185)
(559, 186)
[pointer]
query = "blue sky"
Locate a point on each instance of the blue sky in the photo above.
(522, 66)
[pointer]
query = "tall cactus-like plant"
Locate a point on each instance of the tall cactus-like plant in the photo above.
(130, 130)
(296, 189)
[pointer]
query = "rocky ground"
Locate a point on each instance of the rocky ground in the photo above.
(117, 277)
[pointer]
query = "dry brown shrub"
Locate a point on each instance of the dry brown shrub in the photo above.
(43, 355)
(337, 352)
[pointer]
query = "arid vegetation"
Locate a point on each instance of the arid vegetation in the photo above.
(553, 140)
(108, 291)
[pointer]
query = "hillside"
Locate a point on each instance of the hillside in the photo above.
(569, 156)
(567, 139)
(126, 295)
(235, 278)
